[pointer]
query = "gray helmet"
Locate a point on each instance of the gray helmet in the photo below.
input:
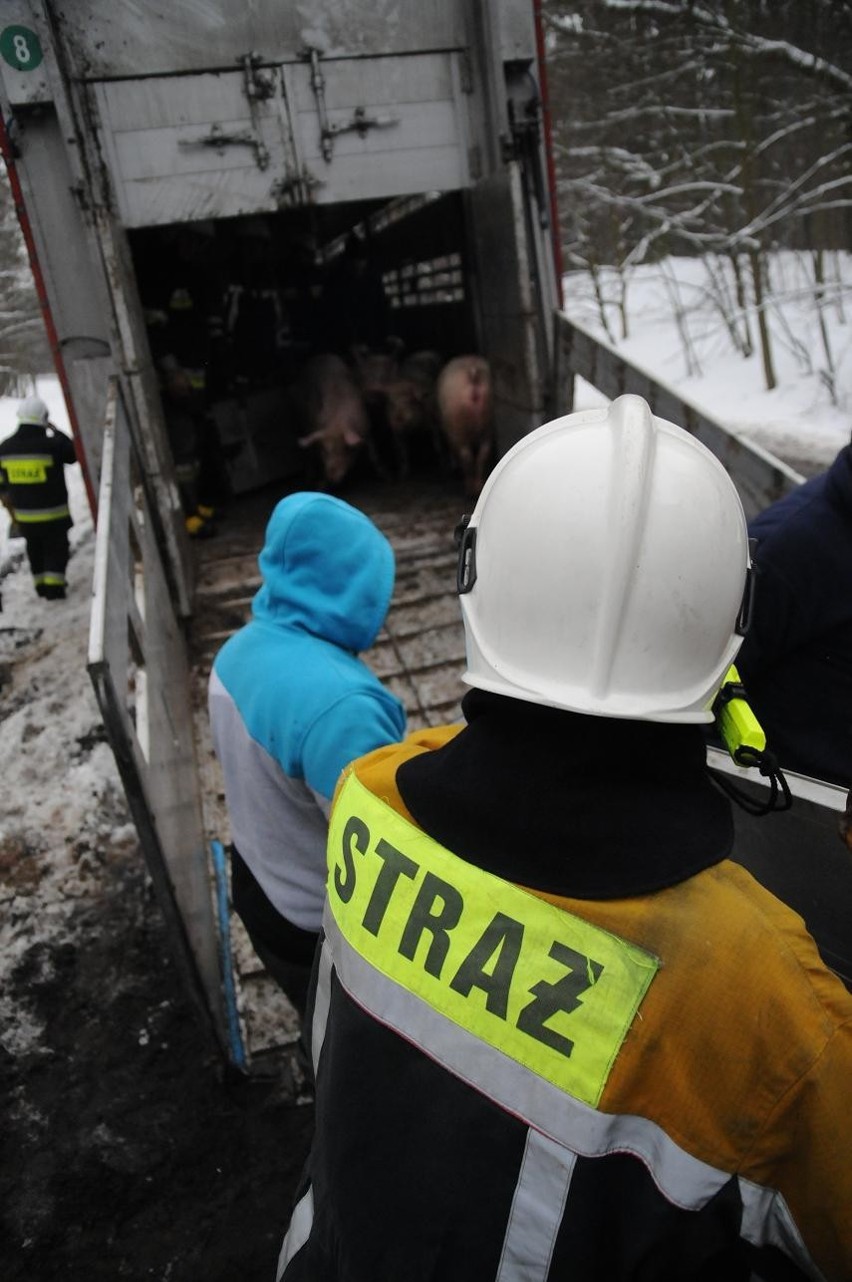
(32, 410)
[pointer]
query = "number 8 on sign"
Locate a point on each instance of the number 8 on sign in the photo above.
(20, 47)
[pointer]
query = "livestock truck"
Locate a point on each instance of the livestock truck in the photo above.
(144, 141)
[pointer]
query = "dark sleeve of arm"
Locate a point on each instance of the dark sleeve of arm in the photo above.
(66, 450)
(771, 626)
(354, 726)
(788, 611)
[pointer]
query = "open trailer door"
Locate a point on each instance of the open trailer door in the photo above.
(138, 666)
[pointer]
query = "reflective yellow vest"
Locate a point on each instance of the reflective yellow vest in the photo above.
(695, 1029)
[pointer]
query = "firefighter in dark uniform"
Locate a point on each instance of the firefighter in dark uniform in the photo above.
(183, 329)
(558, 1032)
(32, 477)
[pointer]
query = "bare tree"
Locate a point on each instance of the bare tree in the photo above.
(716, 128)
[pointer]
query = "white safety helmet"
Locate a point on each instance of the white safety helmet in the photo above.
(606, 569)
(32, 409)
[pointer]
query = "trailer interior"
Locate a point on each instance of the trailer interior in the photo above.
(249, 300)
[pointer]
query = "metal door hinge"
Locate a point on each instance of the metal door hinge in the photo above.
(360, 123)
(298, 189)
(525, 122)
(257, 85)
(219, 139)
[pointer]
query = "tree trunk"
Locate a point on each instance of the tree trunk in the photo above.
(830, 373)
(594, 271)
(739, 286)
(757, 278)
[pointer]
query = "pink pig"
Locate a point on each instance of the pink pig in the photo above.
(465, 412)
(333, 408)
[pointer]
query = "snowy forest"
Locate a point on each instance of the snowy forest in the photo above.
(719, 131)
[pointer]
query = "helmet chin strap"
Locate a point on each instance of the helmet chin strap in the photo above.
(779, 798)
(464, 537)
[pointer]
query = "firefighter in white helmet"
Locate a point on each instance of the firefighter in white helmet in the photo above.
(32, 481)
(558, 1032)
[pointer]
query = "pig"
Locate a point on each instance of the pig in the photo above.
(422, 368)
(332, 407)
(465, 415)
(410, 406)
(399, 395)
(374, 370)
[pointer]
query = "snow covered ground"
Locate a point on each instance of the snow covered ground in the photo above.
(64, 816)
(678, 331)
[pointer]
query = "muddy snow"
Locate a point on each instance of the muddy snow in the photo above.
(128, 1151)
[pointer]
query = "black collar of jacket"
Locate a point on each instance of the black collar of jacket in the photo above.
(30, 432)
(588, 807)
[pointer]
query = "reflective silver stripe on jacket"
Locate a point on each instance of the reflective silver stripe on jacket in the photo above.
(322, 1000)
(32, 514)
(685, 1181)
(767, 1221)
(298, 1233)
(302, 1219)
(537, 1208)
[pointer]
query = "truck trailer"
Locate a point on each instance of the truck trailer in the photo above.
(184, 157)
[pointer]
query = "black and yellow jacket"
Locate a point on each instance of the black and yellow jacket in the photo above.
(32, 475)
(564, 1035)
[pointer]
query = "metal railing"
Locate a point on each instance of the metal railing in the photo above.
(138, 665)
(759, 477)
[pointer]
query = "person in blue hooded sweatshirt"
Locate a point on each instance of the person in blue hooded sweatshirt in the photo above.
(290, 705)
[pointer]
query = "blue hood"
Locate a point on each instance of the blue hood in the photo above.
(327, 570)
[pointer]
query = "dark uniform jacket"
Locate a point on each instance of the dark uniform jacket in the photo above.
(492, 1103)
(32, 474)
(796, 659)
